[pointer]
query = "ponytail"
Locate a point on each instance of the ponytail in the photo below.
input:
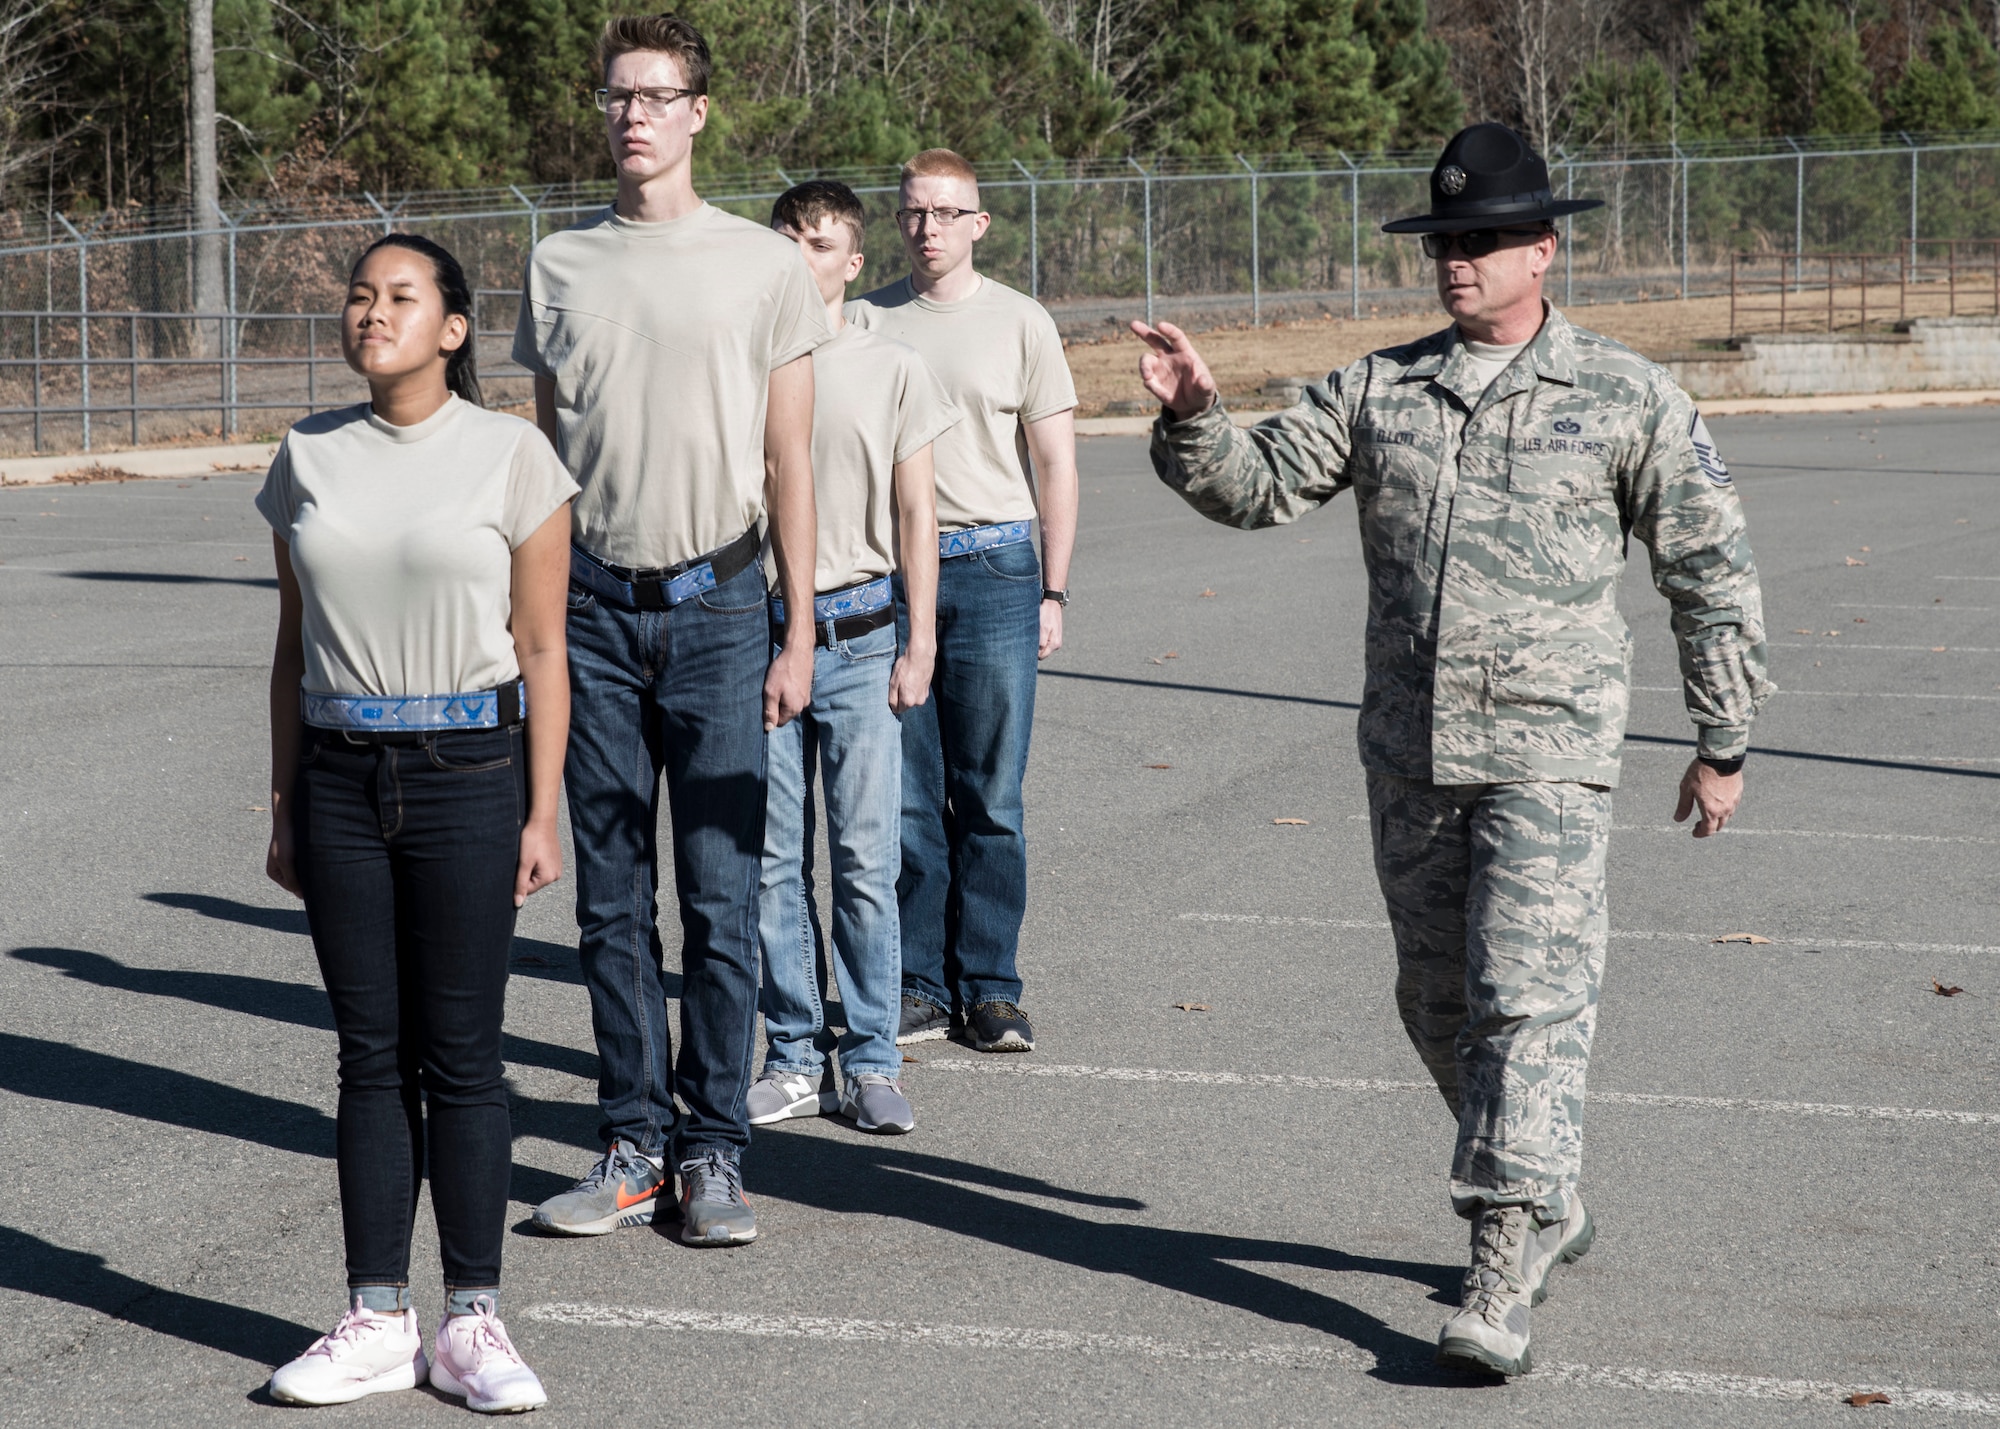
(461, 369)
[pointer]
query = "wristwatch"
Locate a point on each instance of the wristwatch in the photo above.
(1060, 597)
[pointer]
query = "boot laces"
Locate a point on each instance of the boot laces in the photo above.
(1493, 1283)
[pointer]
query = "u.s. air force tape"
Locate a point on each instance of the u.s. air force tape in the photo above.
(1712, 465)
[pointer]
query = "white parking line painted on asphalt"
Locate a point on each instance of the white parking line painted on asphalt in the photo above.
(1842, 694)
(1736, 833)
(1835, 1110)
(1969, 578)
(1865, 605)
(1847, 645)
(1323, 1357)
(1644, 935)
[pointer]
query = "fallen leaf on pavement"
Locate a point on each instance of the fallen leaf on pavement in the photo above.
(1833, 632)
(908, 1058)
(242, 558)
(1208, 595)
(1192, 1006)
(1942, 991)
(1801, 632)
(1852, 562)
(1939, 649)
(1301, 822)
(259, 809)
(1869, 1397)
(1860, 620)
(1865, 548)
(1159, 766)
(1739, 938)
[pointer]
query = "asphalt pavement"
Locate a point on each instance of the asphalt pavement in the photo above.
(1215, 1194)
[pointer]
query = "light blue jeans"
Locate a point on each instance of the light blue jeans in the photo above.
(850, 734)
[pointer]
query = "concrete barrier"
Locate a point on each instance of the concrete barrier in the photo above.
(1928, 355)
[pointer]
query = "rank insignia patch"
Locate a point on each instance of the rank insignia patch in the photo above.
(1712, 465)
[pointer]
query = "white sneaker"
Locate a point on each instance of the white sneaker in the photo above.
(779, 1096)
(366, 1353)
(476, 1360)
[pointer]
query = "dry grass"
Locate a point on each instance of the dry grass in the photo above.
(1244, 358)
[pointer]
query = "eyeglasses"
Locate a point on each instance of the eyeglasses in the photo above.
(1476, 244)
(913, 218)
(653, 103)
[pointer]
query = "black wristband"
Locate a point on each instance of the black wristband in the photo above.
(1060, 597)
(1724, 767)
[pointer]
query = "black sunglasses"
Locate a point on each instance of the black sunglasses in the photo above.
(1476, 244)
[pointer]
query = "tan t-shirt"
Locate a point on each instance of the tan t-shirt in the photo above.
(1001, 360)
(403, 541)
(875, 403)
(661, 338)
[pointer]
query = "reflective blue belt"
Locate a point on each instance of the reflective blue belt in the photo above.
(980, 538)
(863, 599)
(664, 589)
(389, 714)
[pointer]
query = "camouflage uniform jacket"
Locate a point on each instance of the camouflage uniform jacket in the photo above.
(1494, 528)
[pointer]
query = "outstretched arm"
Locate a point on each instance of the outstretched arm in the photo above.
(1271, 473)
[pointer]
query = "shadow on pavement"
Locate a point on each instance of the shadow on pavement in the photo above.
(849, 1177)
(58, 1072)
(171, 578)
(292, 1002)
(35, 1267)
(532, 957)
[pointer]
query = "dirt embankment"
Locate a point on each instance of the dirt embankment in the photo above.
(1245, 358)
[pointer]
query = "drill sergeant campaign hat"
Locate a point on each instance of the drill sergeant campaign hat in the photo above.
(1488, 177)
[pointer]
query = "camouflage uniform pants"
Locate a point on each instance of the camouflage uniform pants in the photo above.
(1496, 895)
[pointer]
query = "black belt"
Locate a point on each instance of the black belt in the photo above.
(664, 587)
(828, 633)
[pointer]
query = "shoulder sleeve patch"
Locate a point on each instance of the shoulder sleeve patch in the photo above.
(1712, 464)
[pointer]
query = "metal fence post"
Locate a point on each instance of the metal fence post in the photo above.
(232, 339)
(534, 215)
(1146, 179)
(388, 223)
(1569, 227)
(82, 322)
(1687, 217)
(1798, 211)
(1914, 151)
(1034, 231)
(1256, 275)
(1353, 236)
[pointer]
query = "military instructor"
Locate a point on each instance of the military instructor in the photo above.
(1499, 469)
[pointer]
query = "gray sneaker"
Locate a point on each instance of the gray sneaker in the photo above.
(622, 1189)
(777, 1096)
(875, 1102)
(1558, 1243)
(1489, 1334)
(921, 1022)
(714, 1210)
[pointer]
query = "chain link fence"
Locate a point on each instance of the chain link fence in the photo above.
(99, 346)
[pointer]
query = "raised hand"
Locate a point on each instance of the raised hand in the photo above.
(1174, 372)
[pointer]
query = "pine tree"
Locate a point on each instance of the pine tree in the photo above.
(1728, 93)
(540, 52)
(1954, 84)
(1823, 83)
(1412, 70)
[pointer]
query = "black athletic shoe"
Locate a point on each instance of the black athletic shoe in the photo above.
(922, 1022)
(999, 1027)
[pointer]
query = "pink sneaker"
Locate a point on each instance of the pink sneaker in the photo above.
(366, 1353)
(477, 1360)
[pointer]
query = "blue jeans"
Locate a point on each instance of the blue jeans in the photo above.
(964, 885)
(407, 855)
(850, 732)
(679, 691)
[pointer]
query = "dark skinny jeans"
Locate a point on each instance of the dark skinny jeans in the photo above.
(407, 855)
